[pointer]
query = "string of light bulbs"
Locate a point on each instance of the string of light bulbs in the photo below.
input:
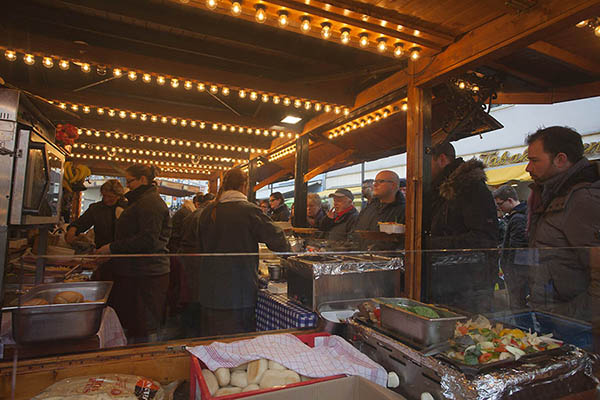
(592, 23)
(367, 119)
(348, 35)
(172, 81)
(282, 153)
(154, 153)
(130, 160)
(112, 112)
(170, 141)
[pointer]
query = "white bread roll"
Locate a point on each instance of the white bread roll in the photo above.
(272, 378)
(256, 370)
(276, 365)
(241, 367)
(228, 390)
(239, 379)
(223, 376)
(250, 388)
(211, 381)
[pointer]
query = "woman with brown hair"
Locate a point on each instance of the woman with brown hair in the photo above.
(141, 283)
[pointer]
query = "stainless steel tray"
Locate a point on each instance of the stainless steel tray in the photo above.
(60, 321)
(424, 331)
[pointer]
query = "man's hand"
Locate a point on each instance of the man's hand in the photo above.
(70, 235)
(331, 213)
(103, 250)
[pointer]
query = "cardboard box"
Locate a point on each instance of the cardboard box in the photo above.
(348, 388)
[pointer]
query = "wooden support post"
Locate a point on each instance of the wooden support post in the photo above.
(418, 178)
(252, 167)
(300, 186)
(75, 206)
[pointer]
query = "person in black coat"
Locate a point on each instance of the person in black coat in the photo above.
(141, 283)
(229, 286)
(512, 261)
(462, 216)
(340, 220)
(177, 221)
(279, 212)
(101, 215)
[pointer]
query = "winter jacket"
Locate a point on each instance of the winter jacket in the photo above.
(177, 225)
(102, 218)
(316, 222)
(463, 216)
(143, 228)
(339, 229)
(515, 236)
(233, 225)
(280, 214)
(565, 212)
(375, 212)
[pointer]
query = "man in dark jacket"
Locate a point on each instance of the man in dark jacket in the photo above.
(279, 211)
(564, 211)
(463, 216)
(514, 263)
(101, 215)
(340, 220)
(388, 205)
(314, 210)
(177, 221)
(229, 288)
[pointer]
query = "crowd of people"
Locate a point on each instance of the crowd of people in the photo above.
(218, 292)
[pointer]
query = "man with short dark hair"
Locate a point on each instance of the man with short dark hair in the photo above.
(514, 262)
(402, 186)
(564, 210)
(367, 189)
(463, 216)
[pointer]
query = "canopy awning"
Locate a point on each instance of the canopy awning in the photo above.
(498, 176)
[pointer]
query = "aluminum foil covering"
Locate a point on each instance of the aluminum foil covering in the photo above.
(494, 385)
(322, 265)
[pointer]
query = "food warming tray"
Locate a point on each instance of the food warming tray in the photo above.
(421, 330)
(60, 321)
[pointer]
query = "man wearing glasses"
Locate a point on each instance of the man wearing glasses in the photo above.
(388, 205)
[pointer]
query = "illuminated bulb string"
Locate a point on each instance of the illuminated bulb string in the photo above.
(366, 120)
(165, 166)
(130, 159)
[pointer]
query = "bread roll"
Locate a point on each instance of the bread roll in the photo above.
(256, 370)
(276, 365)
(241, 367)
(211, 381)
(239, 379)
(223, 376)
(250, 388)
(67, 297)
(36, 301)
(228, 390)
(305, 378)
(272, 378)
(290, 377)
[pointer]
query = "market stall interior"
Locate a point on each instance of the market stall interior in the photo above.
(243, 95)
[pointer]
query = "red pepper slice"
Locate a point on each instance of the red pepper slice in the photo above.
(377, 313)
(485, 357)
(463, 330)
(500, 349)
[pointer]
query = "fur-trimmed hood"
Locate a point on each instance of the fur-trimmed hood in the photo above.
(459, 176)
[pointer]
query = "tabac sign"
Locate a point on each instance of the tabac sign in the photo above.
(497, 159)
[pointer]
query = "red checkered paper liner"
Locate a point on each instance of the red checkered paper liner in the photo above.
(332, 355)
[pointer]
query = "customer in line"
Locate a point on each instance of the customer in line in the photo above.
(279, 210)
(229, 285)
(314, 210)
(367, 189)
(140, 287)
(340, 220)
(186, 209)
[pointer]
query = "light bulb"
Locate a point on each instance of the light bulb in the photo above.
(403, 107)
(265, 98)
(398, 50)
(325, 30)
(117, 72)
(111, 113)
(132, 75)
(164, 120)
(100, 111)
(201, 87)
(174, 83)
(154, 118)
(187, 85)
(143, 117)
(211, 4)
(327, 108)
(283, 18)
(364, 40)
(86, 109)
(381, 44)
(461, 85)
(336, 110)
(29, 59)
(261, 13)
(85, 68)
(307, 105)
(345, 35)
(236, 8)
(64, 65)
(122, 114)
(133, 115)
(287, 101)
(297, 103)
(215, 127)
(47, 62)
(475, 88)
(305, 25)
(10, 55)
(214, 89)
(253, 96)
(415, 53)
(346, 111)
(242, 94)
(147, 78)
(160, 80)
(597, 31)
(581, 24)
(74, 107)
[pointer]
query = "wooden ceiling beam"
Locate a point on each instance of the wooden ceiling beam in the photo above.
(564, 56)
(327, 165)
(503, 36)
(105, 56)
(273, 178)
(528, 78)
(555, 95)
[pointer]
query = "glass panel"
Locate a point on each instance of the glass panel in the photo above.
(53, 195)
(36, 179)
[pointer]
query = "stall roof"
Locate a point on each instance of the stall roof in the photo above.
(532, 47)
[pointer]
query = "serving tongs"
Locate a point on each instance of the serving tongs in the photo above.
(437, 348)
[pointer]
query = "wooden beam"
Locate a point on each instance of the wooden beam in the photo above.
(556, 95)
(327, 165)
(528, 78)
(272, 179)
(504, 35)
(582, 63)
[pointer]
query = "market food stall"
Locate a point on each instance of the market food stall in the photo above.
(367, 80)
